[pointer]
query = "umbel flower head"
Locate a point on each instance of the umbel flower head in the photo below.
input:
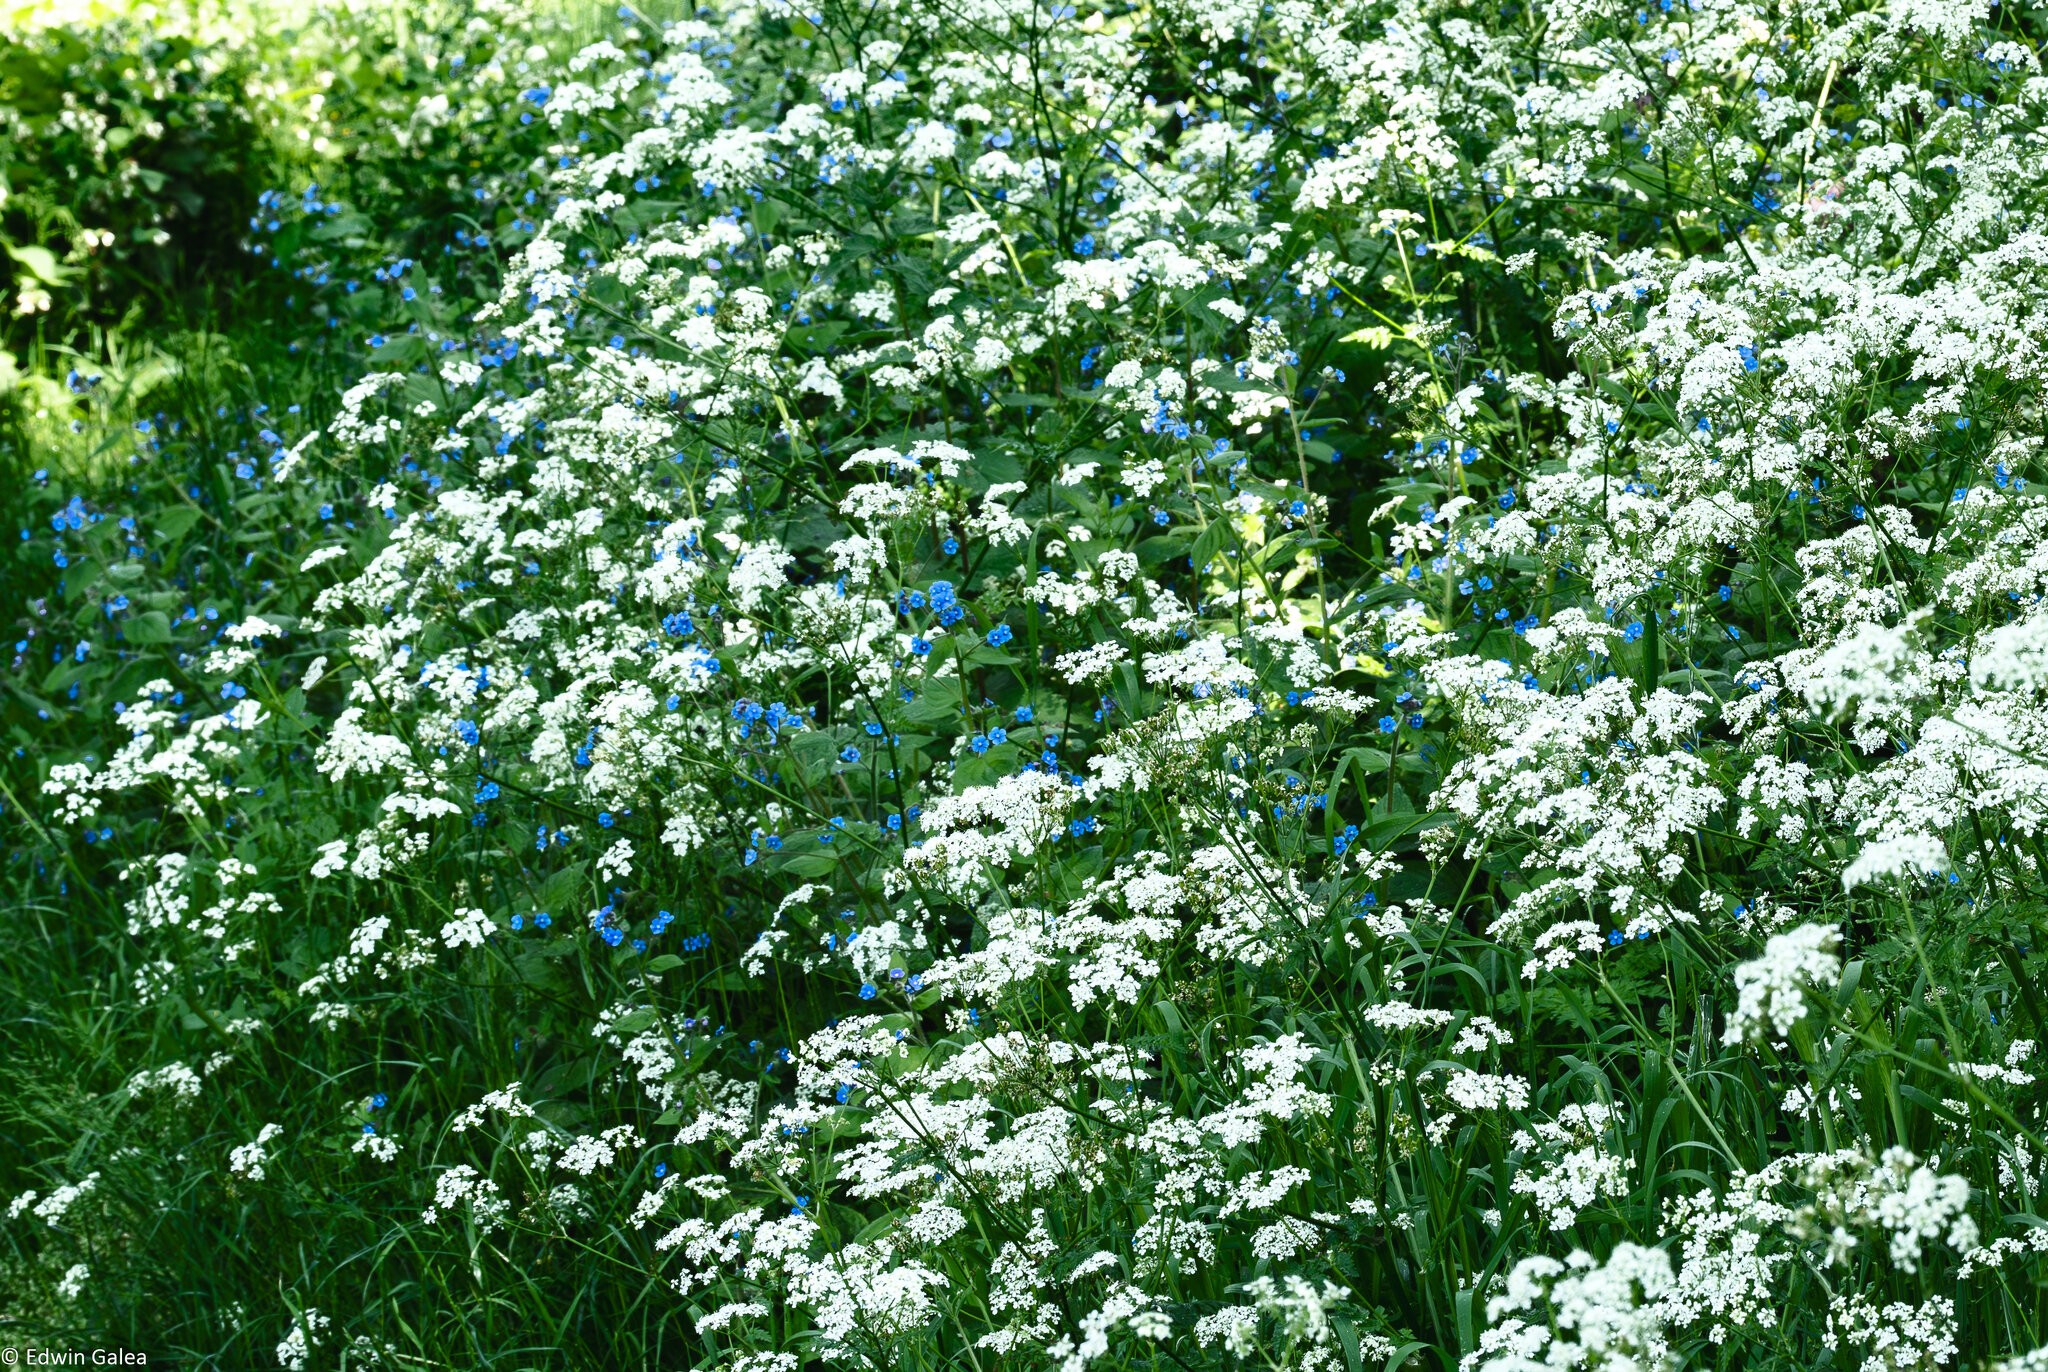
(1772, 991)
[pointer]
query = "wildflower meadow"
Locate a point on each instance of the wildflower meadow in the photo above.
(980, 685)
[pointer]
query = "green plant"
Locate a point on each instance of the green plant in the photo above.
(1155, 686)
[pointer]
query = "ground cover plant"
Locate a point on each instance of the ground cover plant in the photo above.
(982, 685)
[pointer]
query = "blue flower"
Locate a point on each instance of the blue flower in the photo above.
(999, 635)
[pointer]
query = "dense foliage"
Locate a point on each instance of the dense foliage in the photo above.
(941, 684)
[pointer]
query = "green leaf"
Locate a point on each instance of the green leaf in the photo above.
(971, 772)
(563, 889)
(1852, 977)
(1162, 548)
(1930, 1104)
(39, 262)
(176, 521)
(633, 1021)
(1371, 336)
(151, 626)
(1210, 543)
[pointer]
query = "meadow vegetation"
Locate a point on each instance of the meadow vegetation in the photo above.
(966, 684)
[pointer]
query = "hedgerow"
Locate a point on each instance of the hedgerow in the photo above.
(934, 685)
